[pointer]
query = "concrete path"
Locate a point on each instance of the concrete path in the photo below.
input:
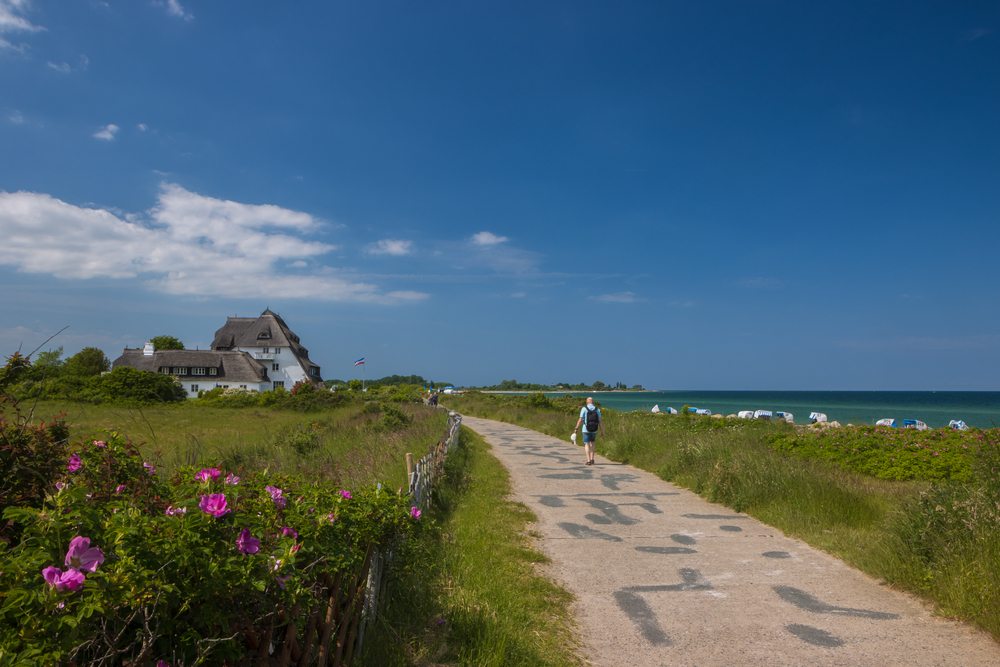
(663, 577)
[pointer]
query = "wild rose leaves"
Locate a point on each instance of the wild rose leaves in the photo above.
(203, 549)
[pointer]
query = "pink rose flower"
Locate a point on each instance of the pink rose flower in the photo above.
(100, 444)
(282, 580)
(288, 532)
(247, 543)
(82, 557)
(214, 504)
(175, 511)
(206, 474)
(119, 488)
(346, 494)
(74, 463)
(149, 468)
(70, 580)
(414, 512)
(276, 496)
(232, 479)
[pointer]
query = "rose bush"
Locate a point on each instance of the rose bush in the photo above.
(183, 570)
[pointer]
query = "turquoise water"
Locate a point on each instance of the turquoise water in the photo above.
(936, 409)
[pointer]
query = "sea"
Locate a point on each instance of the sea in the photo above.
(934, 408)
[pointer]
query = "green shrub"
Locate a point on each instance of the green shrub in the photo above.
(184, 570)
(129, 386)
(32, 455)
(393, 418)
(302, 438)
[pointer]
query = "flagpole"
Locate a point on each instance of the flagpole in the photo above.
(362, 378)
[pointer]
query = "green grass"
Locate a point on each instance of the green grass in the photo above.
(937, 539)
(475, 598)
(343, 444)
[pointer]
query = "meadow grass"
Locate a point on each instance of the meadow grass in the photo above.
(343, 444)
(937, 539)
(475, 597)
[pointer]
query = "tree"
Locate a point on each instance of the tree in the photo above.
(166, 343)
(87, 362)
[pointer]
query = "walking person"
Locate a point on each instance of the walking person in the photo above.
(590, 417)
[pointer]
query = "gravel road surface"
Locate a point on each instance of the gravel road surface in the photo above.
(663, 577)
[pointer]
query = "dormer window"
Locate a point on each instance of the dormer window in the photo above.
(263, 335)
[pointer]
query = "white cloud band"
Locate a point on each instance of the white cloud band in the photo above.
(193, 245)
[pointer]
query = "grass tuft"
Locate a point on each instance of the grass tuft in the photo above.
(476, 598)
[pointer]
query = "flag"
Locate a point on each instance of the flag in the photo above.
(359, 362)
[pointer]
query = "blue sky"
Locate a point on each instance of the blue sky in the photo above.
(709, 195)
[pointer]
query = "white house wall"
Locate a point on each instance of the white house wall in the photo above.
(289, 371)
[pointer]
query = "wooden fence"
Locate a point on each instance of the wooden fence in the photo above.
(423, 475)
(345, 601)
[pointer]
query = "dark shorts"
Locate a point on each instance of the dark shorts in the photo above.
(589, 437)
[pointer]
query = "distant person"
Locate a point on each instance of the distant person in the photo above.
(434, 398)
(590, 417)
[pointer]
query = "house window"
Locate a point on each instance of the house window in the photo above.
(314, 371)
(180, 371)
(277, 350)
(266, 350)
(194, 389)
(263, 335)
(165, 370)
(213, 371)
(243, 386)
(225, 386)
(279, 383)
(197, 371)
(274, 367)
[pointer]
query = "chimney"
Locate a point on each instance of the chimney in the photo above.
(147, 349)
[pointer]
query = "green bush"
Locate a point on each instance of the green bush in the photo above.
(32, 455)
(889, 453)
(129, 386)
(184, 570)
(302, 438)
(393, 418)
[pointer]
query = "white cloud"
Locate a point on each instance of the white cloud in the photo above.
(407, 295)
(973, 35)
(486, 238)
(174, 8)
(760, 282)
(16, 117)
(84, 62)
(142, 127)
(12, 20)
(107, 133)
(298, 264)
(517, 295)
(620, 297)
(62, 67)
(191, 245)
(389, 247)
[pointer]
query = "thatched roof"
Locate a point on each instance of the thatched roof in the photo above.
(230, 365)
